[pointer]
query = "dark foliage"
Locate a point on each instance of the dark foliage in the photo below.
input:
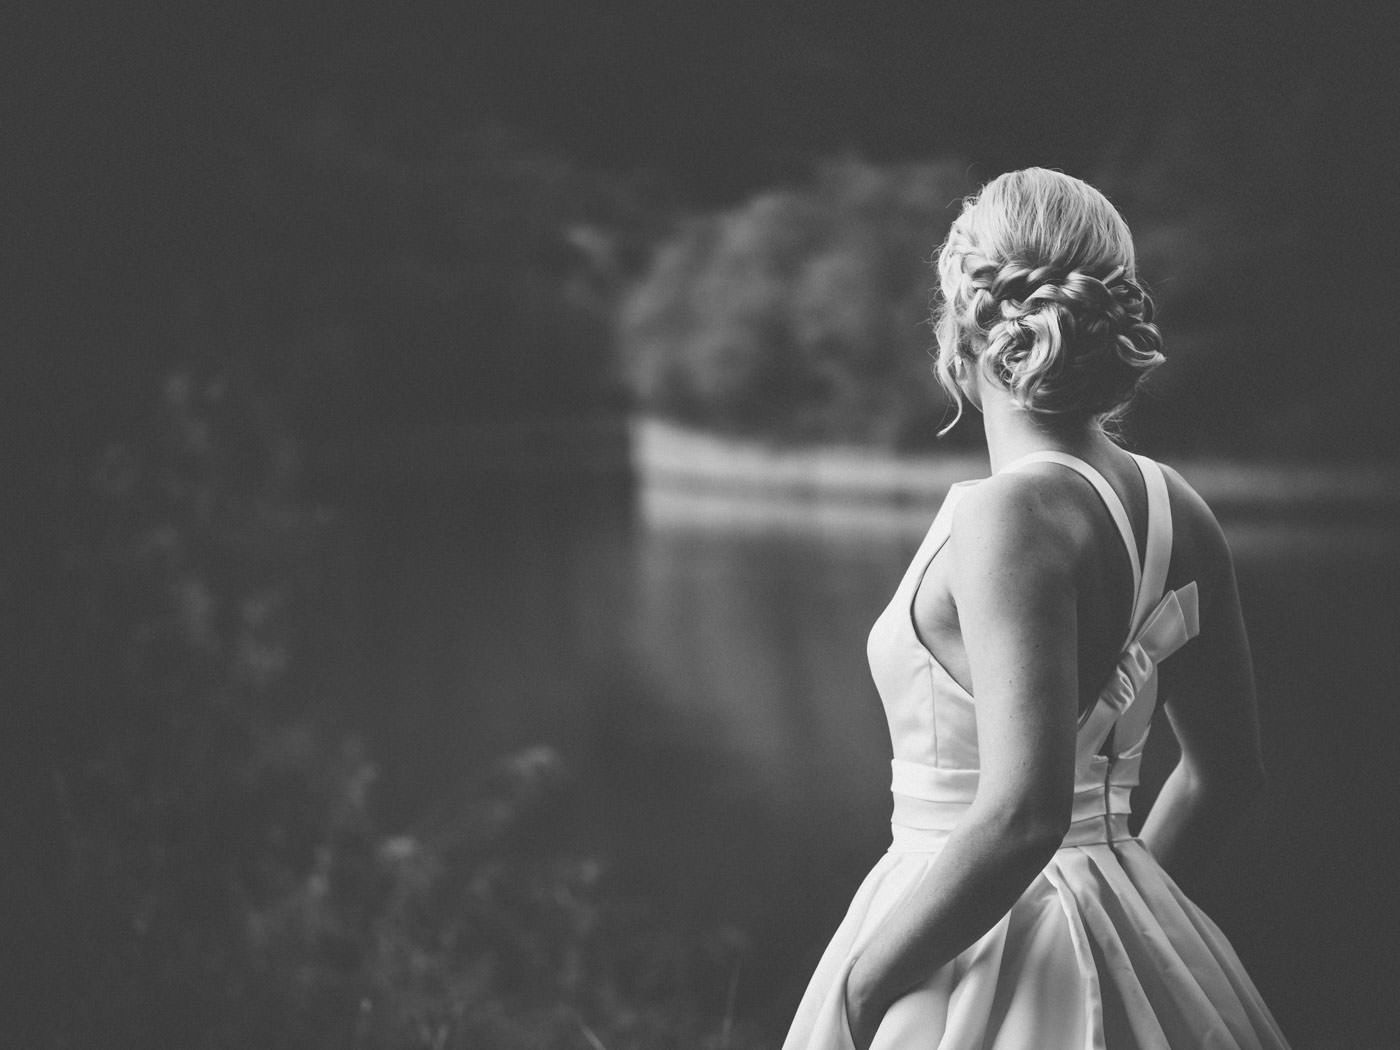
(203, 864)
(802, 314)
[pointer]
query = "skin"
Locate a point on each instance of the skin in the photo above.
(1027, 607)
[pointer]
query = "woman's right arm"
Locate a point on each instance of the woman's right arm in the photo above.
(1208, 693)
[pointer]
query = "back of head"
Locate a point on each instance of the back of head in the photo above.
(1039, 290)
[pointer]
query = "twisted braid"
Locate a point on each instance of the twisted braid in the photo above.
(1065, 340)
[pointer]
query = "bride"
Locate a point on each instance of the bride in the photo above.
(1019, 663)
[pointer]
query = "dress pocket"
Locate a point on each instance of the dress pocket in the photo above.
(843, 1027)
(917, 1019)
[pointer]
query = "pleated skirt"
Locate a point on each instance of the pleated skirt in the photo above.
(1102, 952)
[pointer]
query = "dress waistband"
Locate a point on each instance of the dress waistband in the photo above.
(943, 794)
(922, 826)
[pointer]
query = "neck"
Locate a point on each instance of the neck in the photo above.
(1013, 432)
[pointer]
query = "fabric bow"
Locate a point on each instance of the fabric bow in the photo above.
(1173, 623)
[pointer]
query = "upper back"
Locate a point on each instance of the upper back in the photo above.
(1080, 523)
(1207, 683)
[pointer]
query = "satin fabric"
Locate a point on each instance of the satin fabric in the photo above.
(1102, 951)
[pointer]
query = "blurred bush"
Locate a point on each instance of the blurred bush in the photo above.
(477, 928)
(147, 591)
(199, 861)
(802, 314)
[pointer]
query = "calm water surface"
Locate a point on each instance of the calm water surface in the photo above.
(700, 666)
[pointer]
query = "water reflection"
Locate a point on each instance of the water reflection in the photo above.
(700, 665)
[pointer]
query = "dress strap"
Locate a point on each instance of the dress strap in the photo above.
(1116, 510)
(1159, 540)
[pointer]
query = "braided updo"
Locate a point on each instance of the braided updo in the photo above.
(1038, 290)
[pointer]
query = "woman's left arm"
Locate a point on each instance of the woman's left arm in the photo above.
(1013, 583)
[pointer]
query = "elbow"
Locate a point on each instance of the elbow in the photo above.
(1032, 827)
(1241, 782)
(1046, 832)
(1038, 838)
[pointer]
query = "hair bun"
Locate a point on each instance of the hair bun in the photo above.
(1069, 343)
(1039, 270)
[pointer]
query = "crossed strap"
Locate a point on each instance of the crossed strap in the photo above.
(1162, 621)
(1172, 623)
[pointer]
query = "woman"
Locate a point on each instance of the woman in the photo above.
(1014, 910)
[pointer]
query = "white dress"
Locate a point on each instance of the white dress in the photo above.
(1102, 951)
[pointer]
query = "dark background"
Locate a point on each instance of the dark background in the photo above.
(269, 264)
(170, 155)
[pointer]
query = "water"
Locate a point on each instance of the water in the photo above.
(700, 666)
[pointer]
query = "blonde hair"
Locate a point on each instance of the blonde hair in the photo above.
(1038, 283)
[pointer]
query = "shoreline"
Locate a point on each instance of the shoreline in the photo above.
(670, 458)
(673, 462)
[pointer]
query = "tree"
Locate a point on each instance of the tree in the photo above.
(802, 313)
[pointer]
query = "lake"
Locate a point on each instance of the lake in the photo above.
(699, 664)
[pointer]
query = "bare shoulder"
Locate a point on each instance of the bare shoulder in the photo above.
(1200, 550)
(1025, 520)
